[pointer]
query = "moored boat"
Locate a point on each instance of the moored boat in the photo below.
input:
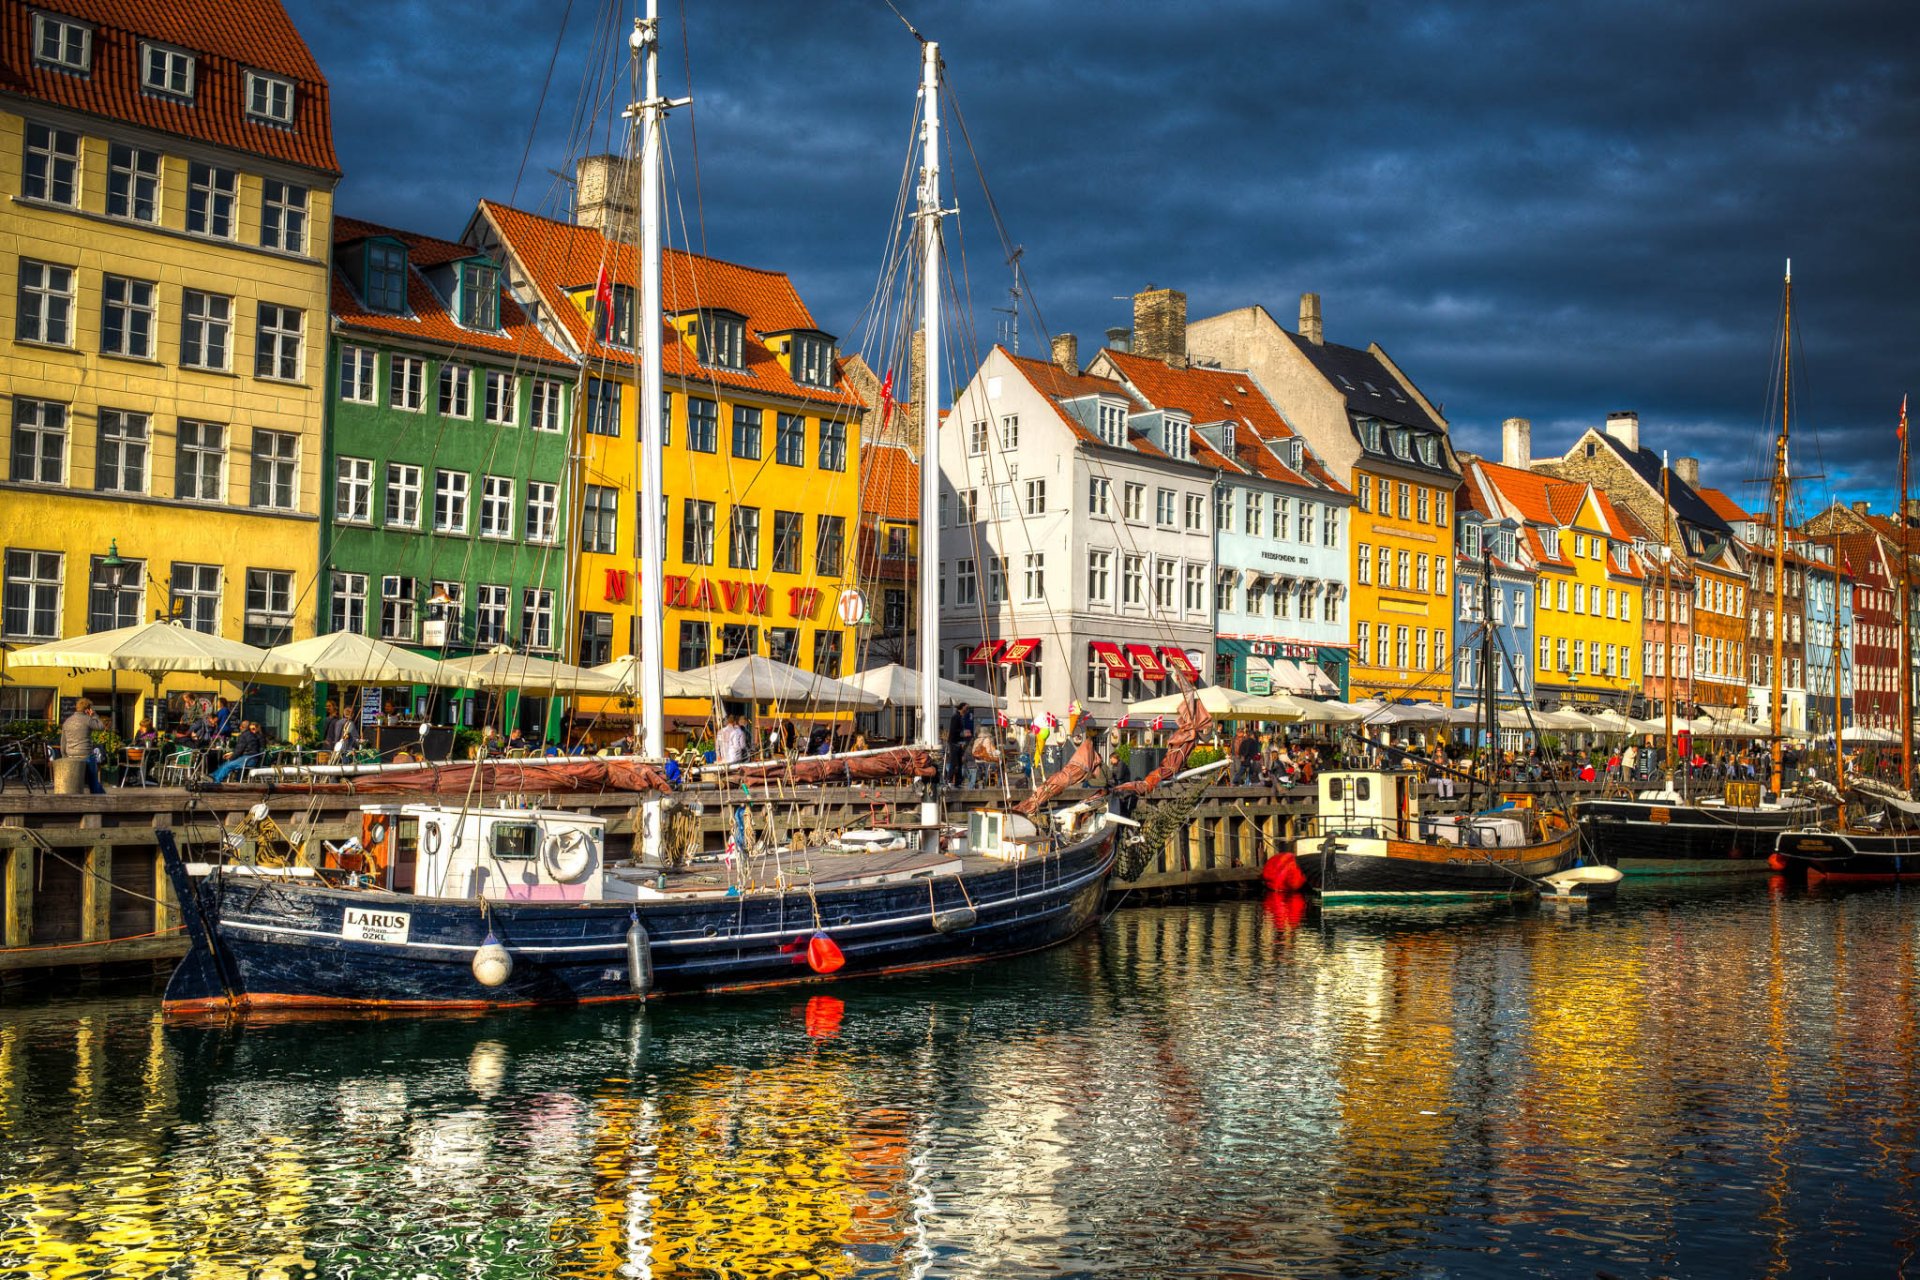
(1660, 832)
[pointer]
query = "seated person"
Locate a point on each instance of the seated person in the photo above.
(146, 735)
(243, 751)
(517, 740)
(490, 744)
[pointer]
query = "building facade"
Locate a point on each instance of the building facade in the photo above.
(170, 187)
(1829, 638)
(1492, 543)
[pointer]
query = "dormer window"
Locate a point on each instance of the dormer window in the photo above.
(1177, 438)
(479, 300)
(1430, 451)
(386, 277)
(1294, 454)
(618, 328)
(269, 98)
(1113, 424)
(165, 70)
(723, 340)
(62, 43)
(1402, 448)
(812, 360)
(1370, 435)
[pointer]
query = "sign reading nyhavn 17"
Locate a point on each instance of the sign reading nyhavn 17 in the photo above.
(709, 593)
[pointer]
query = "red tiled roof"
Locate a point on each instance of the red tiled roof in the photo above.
(1056, 384)
(889, 483)
(1541, 551)
(562, 258)
(429, 318)
(1614, 517)
(227, 38)
(1528, 492)
(1723, 506)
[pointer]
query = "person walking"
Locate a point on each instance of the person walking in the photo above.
(959, 743)
(1246, 758)
(76, 741)
(730, 746)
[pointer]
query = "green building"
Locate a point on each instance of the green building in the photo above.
(444, 520)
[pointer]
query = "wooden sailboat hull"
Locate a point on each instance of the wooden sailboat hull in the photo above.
(1868, 857)
(1346, 870)
(262, 945)
(1649, 838)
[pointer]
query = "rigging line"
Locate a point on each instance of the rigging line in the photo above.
(693, 129)
(539, 105)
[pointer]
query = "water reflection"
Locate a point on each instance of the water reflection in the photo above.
(1717, 1080)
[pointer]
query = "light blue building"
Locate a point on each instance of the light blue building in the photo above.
(1821, 621)
(1484, 543)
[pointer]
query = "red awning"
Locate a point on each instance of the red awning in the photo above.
(1177, 660)
(1018, 652)
(984, 654)
(1141, 655)
(1109, 652)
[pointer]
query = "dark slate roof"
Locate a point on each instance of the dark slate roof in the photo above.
(1370, 387)
(1688, 506)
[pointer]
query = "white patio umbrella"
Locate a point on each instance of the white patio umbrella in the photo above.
(899, 686)
(1327, 711)
(1564, 721)
(758, 679)
(502, 668)
(1611, 721)
(1224, 704)
(347, 657)
(155, 649)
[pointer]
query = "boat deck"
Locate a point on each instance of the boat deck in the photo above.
(819, 867)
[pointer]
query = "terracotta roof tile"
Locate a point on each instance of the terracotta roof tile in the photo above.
(227, 36)
(1056, 384)
(562, 259)
(889, 483)
(1529, 492)
(429, 318)
(1723, 506)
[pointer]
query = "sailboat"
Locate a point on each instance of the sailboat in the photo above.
(444, 906)
(1885, 844)
(1666, 830)
(1369, 841)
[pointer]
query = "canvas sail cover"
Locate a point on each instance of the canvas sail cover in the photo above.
(1195, 722)
(1071, 774)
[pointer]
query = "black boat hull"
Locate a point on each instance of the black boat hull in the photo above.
(1643, 837)
(1852, 856)
(1343, 875)
(279, 944)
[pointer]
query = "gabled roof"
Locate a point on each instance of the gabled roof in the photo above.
(1614, 518)
(1721, 505)
(1057, 385)
(1686, 502)
(1370, 388)
(1222, 395)
(889, 483)
(562, 259)
(1531, 494)
(226, 37)
(428, 318)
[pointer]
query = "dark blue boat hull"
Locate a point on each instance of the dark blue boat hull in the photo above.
(265, 944)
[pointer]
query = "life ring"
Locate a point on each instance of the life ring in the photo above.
(567, 855)
(430, 838)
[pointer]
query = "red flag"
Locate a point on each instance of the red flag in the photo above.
(603, 303)
(886, 400)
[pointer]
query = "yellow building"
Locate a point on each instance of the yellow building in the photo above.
(168, 215)
(762, 450)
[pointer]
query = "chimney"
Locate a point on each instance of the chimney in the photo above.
(1861, 507)
(1516, 440)
(1120, 339)
(1625, 427)
(1912, 510)
(1066, 354)
(1160, 326)
(1687, 471)
(1310, 318)
(605, 195)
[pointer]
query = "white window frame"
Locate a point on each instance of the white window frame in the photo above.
(279, 347)
(347, 606)
(62, 43)
(1100, 576)
(451, 491)
(206, 327)
(353, 490)
(501, 400)
(219, 192)
(270, 98)
(496, 507)
(454, 397)
(196, 443)
(544, 405)
(140, 170)
(58, 153)
(543, 511)
(131, 310)
(407, 383)
(278, 453)
(166, 70)
(45, 304)
(283, 215)
(359, 374)
(121, 433)
(42, 580)
(492, 613)
(43, 425)
(536, 617)
(404, 481)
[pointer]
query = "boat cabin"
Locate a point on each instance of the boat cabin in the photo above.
(1384, 804)
(522, 855)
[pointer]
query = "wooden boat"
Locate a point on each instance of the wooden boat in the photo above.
(1580, 886)
(1659, 832)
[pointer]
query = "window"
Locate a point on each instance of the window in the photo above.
(62, 43)
(1010, 431)
(353, 490)
(1100, 577)
(397, 607)
(276, 351)
(544, 409)
(403, 496)
(1256, 597)
(790, 440)
(1036, 575)
(1163, 500)
(1405, 493)
(477, 296)
(194, 596)
(210, 200)
(108, 605)
(357, 374)
(199, 463)
(600, 519)
(743, 538)
(813, 361)
(695, 641)
(996, 579)
(206, 330)
(1403, 574)
(1223, 590)
(1133, 501)
(746, 432)
(46, 304)
(1400, 647)
(1421, 573)
(276, 460)
(1133, 580)
(490, 614)
(386, 277)
(348, 608)
(1113, 424)
(1420, 649)
(1282, 516)
(1424, 506)
(966, 589)
(966, 506)
(723, 341)
(39, 441)
(828, 553)
(1036, 497)
(826, 652)
(536, 617)
(1330, 604)
(120, 453)
(833, 445)
(1520, 599)
(31, 595)
(269, 616)
(1382, 644)
(1099, 496)
(786, 542)
(164, 70)
(269, 98)
(283, 216)
(696, 532)
(450, 501)
(407, 383)
(1196, 513)
(1303, 530)
(1362, 651)
(1626, 607)
(133, 183)
(52, 168)
(1256, 509)
(1196, 588)
(1363, 490)
(603, 407)
(496, 507)
(703, 425)
(737, 640)
(976, 439)
(1163, 584)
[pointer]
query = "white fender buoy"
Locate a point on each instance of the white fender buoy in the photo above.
(639, 958)
(492, 963)
(568, 855)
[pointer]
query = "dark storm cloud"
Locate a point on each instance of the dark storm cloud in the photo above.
(1547, 210)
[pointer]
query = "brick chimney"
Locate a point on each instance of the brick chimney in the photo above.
(1861, 507)
(1687, 471)
(1516, 443)
(1119, 339)
(1066, 354)
(1160, 326)
(1625, 427)
(606, 195)
(1310, 318)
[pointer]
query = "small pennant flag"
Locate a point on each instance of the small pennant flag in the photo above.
(1159, 723)
(1053, 721)
(1125, 720)
(603, 302)
(1000, 719)
(886, 400)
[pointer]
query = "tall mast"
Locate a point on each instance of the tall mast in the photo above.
(1780, 524)
(929, 215)
(1488, 649)
(1666, 593)
(1905, 727)
(1839, 756)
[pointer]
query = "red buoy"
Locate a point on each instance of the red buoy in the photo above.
(1778, 861)
(1282, 874)
(823, 954)
(1286, 910)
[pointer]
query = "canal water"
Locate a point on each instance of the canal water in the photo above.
(1718, 1080)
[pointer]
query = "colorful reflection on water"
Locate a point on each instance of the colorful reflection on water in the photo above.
(1719, 1080)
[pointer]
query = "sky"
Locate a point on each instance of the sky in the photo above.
(1548, 210)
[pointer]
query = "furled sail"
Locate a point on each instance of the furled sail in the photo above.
(1071, 774)
(1195, 723)
(529, 776)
